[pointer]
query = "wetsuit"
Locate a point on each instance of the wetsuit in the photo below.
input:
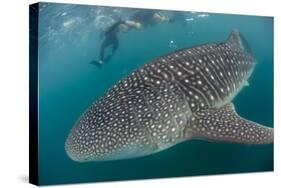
(145, 17)
(110, 38)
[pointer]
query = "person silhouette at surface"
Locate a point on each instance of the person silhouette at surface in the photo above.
(138, 20)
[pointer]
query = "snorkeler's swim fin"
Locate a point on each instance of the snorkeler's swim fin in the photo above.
(98, 63)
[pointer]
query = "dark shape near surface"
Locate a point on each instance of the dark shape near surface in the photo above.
(110, 40)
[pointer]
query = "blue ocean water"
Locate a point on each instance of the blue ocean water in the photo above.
(70, 38)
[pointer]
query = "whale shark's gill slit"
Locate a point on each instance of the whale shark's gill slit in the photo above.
(186, 111)
(150, 115)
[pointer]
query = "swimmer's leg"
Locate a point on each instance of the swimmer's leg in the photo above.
(104, 45)
(115, 45)
(101, 59)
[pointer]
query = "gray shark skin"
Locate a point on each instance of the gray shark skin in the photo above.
(174, 98)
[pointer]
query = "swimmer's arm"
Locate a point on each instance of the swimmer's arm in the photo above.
(134, 24)
(160, 17)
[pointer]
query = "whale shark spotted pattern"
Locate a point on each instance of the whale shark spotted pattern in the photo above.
(177, 97)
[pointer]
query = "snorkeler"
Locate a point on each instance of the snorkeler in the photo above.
(146, 18)
(179, 17)
(137, 20)
(111, 39)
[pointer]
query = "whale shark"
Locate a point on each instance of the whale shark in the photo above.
(180, 96)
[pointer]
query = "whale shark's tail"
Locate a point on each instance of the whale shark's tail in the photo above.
(224, 124)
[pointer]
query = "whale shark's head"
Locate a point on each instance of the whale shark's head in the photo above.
(75, 145)
(108, 130)
(89, 140)
(83, 143)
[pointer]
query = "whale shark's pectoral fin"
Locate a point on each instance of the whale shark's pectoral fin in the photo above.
(224, 124)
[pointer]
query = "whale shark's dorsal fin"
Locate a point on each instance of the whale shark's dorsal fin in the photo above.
(224, 124)
(237, 41)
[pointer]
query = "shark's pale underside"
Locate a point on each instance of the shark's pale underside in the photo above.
(174, 98)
